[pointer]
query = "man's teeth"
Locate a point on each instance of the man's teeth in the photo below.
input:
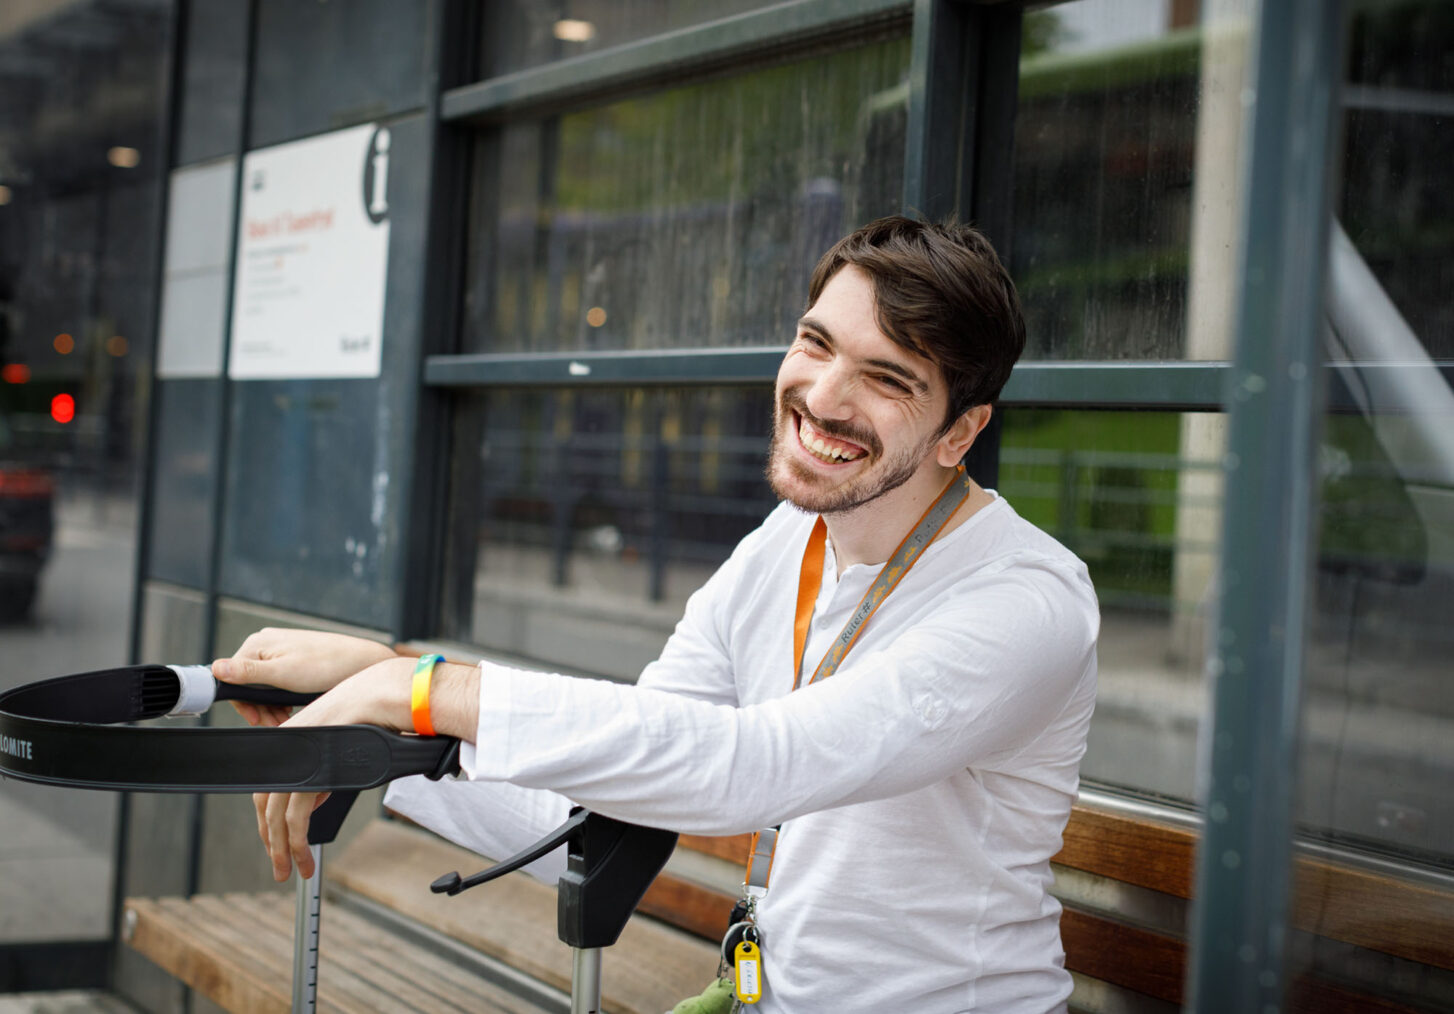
(818, 446)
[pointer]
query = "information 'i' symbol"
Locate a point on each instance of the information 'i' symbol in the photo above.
(376, 176)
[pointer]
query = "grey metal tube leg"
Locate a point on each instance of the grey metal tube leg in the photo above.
(585, 981)
(305, 936)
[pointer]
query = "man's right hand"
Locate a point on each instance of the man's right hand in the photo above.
(304, 661)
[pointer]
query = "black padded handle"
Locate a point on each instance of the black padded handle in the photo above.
(257, 693)
(69, 731)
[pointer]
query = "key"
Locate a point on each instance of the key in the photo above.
(736, 933)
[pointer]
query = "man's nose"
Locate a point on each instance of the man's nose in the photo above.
(830, 394)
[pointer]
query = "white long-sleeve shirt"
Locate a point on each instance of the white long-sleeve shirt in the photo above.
(922, 788)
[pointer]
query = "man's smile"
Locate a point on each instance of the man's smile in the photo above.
(827, 449)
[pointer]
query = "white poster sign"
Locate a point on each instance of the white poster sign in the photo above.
(312, 258)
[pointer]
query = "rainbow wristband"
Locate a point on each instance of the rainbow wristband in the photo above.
(419, 695)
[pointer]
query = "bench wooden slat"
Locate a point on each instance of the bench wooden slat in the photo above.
(267, 919)
(514, 920)
(412, 975)
(343, 979)
(1157, 856)
(237, 950)
(233, 981)
(732, 847)
(1380, 913)
(1334, 900)
(698, 910)
(1155, 964)
(1128, 956)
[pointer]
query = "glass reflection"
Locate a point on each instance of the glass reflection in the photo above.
(1376, 755)
(81, 155)
(582, 520)
(1126, 172)
(1138, 497)
(690, 217)
(526, 33)
(1396, 204)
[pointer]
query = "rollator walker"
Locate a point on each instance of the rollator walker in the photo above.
(71, 731)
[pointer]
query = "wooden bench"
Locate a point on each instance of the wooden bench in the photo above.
(388, 944)
(384, 933)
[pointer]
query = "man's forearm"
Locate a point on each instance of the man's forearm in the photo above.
(454, 700)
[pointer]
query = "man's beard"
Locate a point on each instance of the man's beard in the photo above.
(880, 478)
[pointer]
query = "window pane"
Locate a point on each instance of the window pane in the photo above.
(215, 70)
(1126, 172)
(1376, 753)
(1138, 496)
(83, 120)
(690, 217)
(182, 482)
(582, 520)
(1378, 732)
(526, 33)
(1398, 144)
(320, 66)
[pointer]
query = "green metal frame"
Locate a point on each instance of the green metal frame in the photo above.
(1174, 385)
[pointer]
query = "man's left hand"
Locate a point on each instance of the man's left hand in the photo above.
(379, 695)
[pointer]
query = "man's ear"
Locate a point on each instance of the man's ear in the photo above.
(961, 434)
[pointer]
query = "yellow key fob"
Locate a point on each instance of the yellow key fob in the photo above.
(747, 966)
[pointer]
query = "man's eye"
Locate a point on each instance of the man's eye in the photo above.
(813, 340)
(892, 383)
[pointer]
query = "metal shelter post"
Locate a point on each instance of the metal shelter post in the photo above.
(1275, 404)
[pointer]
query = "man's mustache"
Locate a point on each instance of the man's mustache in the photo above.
(793, 401)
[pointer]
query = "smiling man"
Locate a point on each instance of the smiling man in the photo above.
(894, 669)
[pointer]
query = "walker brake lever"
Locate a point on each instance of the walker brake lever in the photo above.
(452, 883)
(610, 865)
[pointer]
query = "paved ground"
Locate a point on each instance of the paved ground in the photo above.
(56, 846)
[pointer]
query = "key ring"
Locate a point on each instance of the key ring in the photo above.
(747, 927)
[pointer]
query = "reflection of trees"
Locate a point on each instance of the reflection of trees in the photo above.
(725, 141)
(1041, 31)
(1104, 156)
(691, 216)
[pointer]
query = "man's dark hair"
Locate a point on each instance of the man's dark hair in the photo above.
(940, 292)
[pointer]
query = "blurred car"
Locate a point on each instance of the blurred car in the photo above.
(27, 525)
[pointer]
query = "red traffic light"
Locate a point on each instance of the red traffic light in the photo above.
(63, 408)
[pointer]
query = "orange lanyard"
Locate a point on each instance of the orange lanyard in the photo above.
(810, 576)
(810, 581)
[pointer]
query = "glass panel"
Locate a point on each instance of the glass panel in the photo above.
(316, 467)
(582, 520)
(183, 479)
(215, 72)
(82, 143)
(1397, 204)
(1376, 754)
(525, 33)
(1378, 750)
(325, 65)
(1138, 497)
(1126, 172)
(691, 217)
